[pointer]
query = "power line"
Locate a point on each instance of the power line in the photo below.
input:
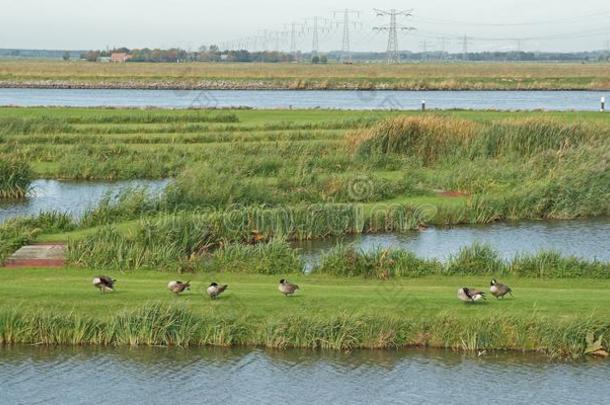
(392, 52)
(571, 35)
(602, 13)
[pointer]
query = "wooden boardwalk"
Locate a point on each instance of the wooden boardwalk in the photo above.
(43, 255)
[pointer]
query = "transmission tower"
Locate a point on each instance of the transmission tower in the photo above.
(346, 53)
(296, 29)
(317, 24)
(315, 44)
(392, 29)
(443, 46)
(465, 47)
(278, 38)
(424, 48)
(264, 40)
(293, 39)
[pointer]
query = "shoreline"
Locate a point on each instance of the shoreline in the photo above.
(171, 326)
(253, 86)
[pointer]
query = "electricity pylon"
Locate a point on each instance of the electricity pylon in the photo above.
(314, 27)
(346, 53)
(392, 53)
(296, 29)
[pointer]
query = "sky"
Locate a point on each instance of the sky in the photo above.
(530, 25)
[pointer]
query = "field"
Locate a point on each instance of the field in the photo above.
(552, 316)
(246, 183)
(417, 76)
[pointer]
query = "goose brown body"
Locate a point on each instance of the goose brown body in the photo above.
(499, 290)
(287, 288)
(178, 287)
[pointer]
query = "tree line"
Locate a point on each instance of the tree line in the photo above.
(213, 53)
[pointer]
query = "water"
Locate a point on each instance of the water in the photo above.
(37, 375)
(587, 239)
(70, 197)
(348, 99)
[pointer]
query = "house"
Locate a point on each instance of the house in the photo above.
(119, 57)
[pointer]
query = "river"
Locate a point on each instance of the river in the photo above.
(70, 376)
(307, 99)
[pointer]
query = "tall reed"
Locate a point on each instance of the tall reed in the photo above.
(15, 178)
(154, 324)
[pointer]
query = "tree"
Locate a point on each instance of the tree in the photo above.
(91, 56)
(66, 56)
(315, 60)
(324, 59)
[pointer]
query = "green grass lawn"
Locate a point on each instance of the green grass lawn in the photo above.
(70, 291)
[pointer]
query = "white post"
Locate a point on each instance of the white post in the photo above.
(603, 104)
(423, 105)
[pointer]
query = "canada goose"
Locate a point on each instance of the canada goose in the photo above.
(178, 287)
(470, 295)
(287, 288)
(104, 283)
(214, 290)
(499, 290)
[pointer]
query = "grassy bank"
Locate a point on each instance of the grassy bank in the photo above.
(416, 76)
(552, 317)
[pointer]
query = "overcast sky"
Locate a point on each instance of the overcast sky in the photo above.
(563, 25)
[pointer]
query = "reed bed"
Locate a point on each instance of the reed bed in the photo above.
(474, 260)
(333, 173)
(161, 325)
(435, 138)
(255, 242)
(15, 178)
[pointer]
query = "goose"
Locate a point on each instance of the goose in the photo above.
(499, 290)
(214, 290)
(287, 288)
(178, 287)
(470, 294)
(104, 283)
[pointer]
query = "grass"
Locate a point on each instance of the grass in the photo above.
(551, 316)
(409, 76)
(244, 176)
(15, 178)
(314, 174)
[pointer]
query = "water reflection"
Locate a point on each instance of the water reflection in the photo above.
(71, 197)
